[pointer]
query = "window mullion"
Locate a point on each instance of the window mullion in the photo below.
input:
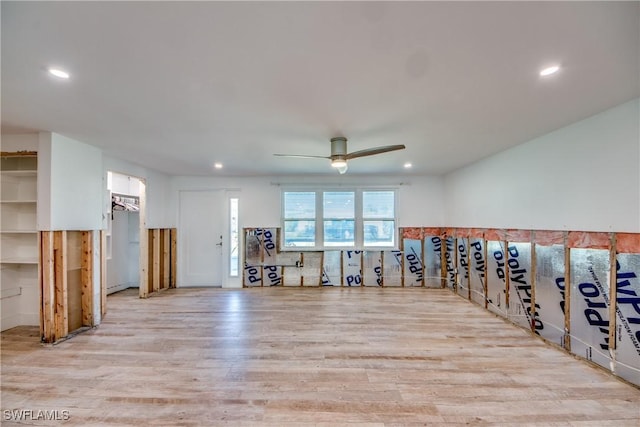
(319, 220)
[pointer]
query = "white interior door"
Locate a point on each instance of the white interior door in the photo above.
(200, 238)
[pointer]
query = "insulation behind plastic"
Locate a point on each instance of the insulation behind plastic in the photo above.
(291, 275)
(352, 268)
(519, 263)
(372, 268)
(496, 277)
(590, 304)
(312, 267)
(450, 259)
(628, 319)
(413, 275)
(392, 268)
(331, 271)
(476, 269)
(463, 266)
(432, 262)
(550, 291)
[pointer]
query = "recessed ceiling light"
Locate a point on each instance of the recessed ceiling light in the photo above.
(407, 165)
(217, 165)
(58, 73)
(549, 70)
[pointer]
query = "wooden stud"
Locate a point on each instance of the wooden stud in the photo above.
(166, 258)
(150, 261)
(507, 272)
(422, 249)
(361, 268)
(401, 261)
(261, 247)
(613, 295)
(40, 290)
(534, 269)
(321, 268)
(301, 272)
(174, 259)
(455, 265)
(485, 278)
(86, 277)
(468, 268)
(47, 287)
(567, 294)
(382, 269)
(61, 318)
(144, 257)
(103, 273)
(443, 261)
(156, 254)
(341, 268)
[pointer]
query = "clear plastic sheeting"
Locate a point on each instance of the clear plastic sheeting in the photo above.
(433, 262)
(272, 275)
(413, 272)
(312, 267)
(496, 277)
(476, 269)
(450, 260)
(392, 271)
(252, 275)
(520, 287)
(331, 269)
(627, 364)
(550, 292)
(372, 268)
(352, 268)
(291, 272)
(590, 274)
(252, 254)
(463, 266)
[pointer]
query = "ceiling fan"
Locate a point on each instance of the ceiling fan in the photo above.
(339, 155)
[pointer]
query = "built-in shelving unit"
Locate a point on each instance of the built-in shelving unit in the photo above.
(19, 239)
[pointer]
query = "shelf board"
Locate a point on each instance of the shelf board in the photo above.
(18, 231)
(19, 260)
(19, 172)
(19, 201)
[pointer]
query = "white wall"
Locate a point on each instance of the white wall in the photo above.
(69, 184)
(585, 176)
(419, 198)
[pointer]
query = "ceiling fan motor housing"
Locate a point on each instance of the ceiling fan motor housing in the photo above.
(338, 147)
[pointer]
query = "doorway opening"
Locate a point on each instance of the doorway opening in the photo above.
(126, 196)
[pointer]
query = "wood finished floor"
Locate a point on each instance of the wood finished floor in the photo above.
(273, 356)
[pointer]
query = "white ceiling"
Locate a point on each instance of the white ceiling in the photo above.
(178, 86)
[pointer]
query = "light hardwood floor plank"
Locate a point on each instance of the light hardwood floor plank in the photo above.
(307, 356)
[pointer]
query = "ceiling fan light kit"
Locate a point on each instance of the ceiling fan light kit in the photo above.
(339, 155)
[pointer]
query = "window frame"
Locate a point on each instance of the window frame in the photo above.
(359, 218)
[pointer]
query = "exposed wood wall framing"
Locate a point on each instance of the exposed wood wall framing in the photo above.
(103, 273)
(173, 259)
(160, 261)
(66, 272)
(86, 275)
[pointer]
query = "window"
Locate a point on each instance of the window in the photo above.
(344, 219)
(233, 238)
(300, 219)
(338, 216)
(378, 218)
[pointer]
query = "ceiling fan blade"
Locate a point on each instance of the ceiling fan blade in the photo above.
(372, 151)
(302, 156)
